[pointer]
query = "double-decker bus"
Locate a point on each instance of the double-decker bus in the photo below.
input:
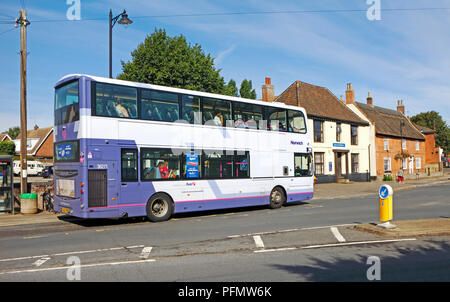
(125, 149)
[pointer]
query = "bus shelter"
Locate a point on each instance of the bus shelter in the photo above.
(6, 184)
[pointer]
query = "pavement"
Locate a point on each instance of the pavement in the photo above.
(321, 191)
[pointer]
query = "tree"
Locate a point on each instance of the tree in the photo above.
(246, 90)
(172, 61)
(13, 132)
(231, 88)
(433, 120)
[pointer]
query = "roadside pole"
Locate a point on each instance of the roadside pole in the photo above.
(23, 22)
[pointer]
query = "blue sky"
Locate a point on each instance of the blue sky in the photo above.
(405, 55)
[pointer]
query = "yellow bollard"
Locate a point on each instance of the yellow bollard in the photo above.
(386, 206)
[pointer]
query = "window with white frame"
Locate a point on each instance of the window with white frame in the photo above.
(417, 145)
(387, 164)
(418, 163)
(404, 163)
(386, 144)
(403, 144)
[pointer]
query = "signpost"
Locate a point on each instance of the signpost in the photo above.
(386, 212)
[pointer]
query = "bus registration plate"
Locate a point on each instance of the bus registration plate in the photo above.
(65, 210)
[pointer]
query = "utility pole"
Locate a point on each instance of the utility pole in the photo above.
(23, 22)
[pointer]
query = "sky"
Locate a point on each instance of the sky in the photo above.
(403, 55)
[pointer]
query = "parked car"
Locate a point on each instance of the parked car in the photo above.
(47, 171)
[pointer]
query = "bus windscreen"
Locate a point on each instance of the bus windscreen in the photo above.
(67, 103)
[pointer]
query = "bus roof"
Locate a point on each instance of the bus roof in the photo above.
(175, 90)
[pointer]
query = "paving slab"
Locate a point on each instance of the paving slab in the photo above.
(409, 228)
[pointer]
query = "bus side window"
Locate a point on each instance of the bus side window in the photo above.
(216, 112)
(302, 164)
(159, 164)
(276, 119)
(296, 122)
(159, 106)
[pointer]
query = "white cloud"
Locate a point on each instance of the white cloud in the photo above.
(223, 54)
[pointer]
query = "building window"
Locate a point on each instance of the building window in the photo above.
(318, 131)
(338, 132)
(404, 163)
(418, 163)
(354, 134)
(319, 160)
(355, 162)
(403, 144)
(417, 145)
(387, 164)
(386, 144)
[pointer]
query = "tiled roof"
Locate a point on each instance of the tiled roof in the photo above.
(40, 133)
(424, 130)
(388, 122)
(318, 102)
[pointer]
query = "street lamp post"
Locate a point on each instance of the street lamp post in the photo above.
(112, 21)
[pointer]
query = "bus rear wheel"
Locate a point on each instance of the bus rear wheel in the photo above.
(159, 207)
(277, 198)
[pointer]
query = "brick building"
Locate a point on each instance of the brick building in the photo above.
(432, 154)
(398, 144)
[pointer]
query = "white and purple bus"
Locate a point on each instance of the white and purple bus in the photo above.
(125, 149)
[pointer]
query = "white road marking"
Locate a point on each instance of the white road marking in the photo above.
(291, 230)
(146, 252)
(337, 234)
(357, 243)
(23, 258)
(73, 253)
(276, 250)
(335, 245)
(258, 241)
(41, 261)
(81, 266)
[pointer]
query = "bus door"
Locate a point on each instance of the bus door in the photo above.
(129, 187)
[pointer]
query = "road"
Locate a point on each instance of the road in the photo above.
(312, 241)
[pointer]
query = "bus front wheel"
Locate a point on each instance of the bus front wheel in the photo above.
(277, 198)
(159, 207)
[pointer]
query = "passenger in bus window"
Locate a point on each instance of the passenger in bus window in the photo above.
(218, 119)
(121, 111)
(162, 166)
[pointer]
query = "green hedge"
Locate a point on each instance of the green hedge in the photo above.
(7, 148)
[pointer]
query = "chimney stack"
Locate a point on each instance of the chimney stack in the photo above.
(369, 99)
(401, 106)
(267, 91)
(349, 94)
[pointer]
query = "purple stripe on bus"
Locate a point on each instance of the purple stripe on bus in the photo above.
(200, 200)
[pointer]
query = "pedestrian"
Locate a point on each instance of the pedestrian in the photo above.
(400, 176)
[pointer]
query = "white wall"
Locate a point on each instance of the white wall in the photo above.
(329, 132)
